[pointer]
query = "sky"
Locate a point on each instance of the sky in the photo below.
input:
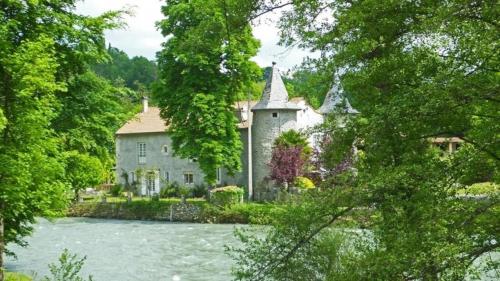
(141, 38)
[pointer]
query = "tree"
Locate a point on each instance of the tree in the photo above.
(415, 70)
(92, 109)
(203, 68)
(290, 157)
(42, 44)
(82, 171)
(286, 164)
(135, 72)
(310, 83)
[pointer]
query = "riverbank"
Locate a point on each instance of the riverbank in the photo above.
(13, 276)
(198, 211)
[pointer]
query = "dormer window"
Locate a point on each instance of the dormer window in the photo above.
(275, 114)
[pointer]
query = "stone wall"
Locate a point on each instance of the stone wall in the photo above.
(265, 130)
(140, 210)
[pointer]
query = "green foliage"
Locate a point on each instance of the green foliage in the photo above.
(200, 190)
(415, 70)
(82, 170)
(303, 183)
(184, 191)
(310, 83)
(483, 188)
(201, 78)
(137, 73)
(68, 268)
(43, 45)
(226, 195)
(170, 189)
(90, 129)
(293, 138)
(155, 198)
(12, 276)
(116, 190)
(472, 165)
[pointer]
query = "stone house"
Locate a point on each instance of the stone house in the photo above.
(144, 151)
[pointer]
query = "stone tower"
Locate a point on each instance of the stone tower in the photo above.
(272, 115)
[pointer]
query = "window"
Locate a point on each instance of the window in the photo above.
(167, 176)
(218, 175)
(275, 114)
(193, 160)
(188, 178)
(164, 149)
(141, 152)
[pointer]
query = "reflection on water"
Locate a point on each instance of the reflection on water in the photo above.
(130, 250)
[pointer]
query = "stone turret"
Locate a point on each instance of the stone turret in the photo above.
(272, 115)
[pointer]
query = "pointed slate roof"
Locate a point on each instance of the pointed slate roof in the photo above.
(335, 98)
(275, 95)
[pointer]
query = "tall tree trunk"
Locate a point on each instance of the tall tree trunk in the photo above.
(2, 247)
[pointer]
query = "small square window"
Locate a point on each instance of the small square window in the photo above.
(275, 114)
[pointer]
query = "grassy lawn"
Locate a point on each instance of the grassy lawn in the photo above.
(484, 188)
(12, 276)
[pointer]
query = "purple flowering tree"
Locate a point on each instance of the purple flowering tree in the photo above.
(286, 163)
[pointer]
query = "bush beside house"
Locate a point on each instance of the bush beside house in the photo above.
(226, 195)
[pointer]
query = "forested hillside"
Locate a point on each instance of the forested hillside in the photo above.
(137, 73)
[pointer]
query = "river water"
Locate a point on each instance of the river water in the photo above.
(130, 250)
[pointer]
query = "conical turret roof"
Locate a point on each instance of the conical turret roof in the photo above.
(275, 95)
(334, 98)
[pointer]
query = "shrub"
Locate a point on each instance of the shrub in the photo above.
(170, 189)
(200, 190)
(226, 196)
(304, 183)
(484, 188)
(185, 191)
(155, 197)
(116, 190)
(68, 269)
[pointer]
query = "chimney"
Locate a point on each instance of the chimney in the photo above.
(145, 106)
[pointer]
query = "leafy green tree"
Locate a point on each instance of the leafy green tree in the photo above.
(415, 70)
(42, 45)
(310, 83)
(92, 109)
(132, 72)
(203, 68)
(82, 171)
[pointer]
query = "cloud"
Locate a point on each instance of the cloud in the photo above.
(141, 38)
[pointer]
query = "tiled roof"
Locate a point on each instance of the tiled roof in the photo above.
(151, 122)
(144, 122)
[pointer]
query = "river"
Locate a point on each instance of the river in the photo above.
(129, 250)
